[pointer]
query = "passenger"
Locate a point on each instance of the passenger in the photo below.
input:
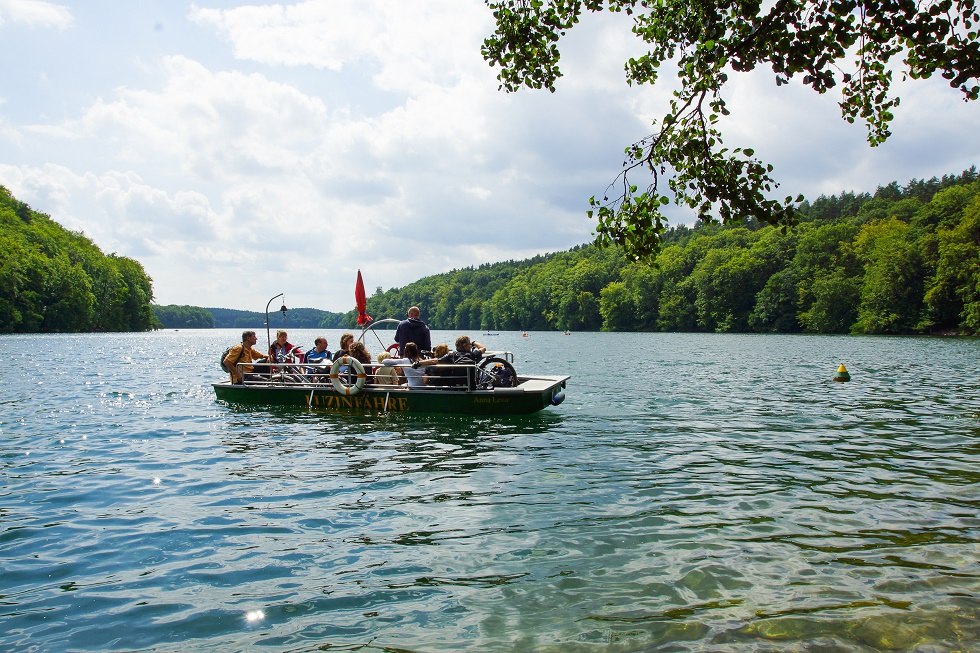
(282, 351)
(414, 375)
(386, 375)
(467, 353)
(319, 354)
(469, 350)
(245, 353)
(359, 351)
(344, 350)
(413, 330)
(440, 350)
(345, 343)
(435, 374)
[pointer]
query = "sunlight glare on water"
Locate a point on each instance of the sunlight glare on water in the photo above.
(693, 492)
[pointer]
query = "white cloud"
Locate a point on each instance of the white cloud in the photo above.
(409, 45)
(307, 34)
(367, 135)
(117, 209)
(35, 13)
(205, 121)
(815, 151)
(444, 173)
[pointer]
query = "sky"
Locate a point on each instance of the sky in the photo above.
(238, 151)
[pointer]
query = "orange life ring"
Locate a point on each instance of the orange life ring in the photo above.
(339, 384)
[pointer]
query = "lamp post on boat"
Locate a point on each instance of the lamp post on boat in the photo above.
(268, 336)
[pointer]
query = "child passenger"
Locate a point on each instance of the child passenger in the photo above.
(386, 375)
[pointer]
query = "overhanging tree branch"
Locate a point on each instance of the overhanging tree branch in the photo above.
(817, 40)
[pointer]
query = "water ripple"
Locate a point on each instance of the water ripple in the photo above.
(734, 498)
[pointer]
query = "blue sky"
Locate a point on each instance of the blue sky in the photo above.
(242, 150)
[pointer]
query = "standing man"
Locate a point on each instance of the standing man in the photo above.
(245, 353)
(413, 330)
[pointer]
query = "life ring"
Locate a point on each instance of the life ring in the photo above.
(392, 349)
(338, 384)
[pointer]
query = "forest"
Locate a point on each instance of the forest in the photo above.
(903, 260)
(174, 316)
(55, 280)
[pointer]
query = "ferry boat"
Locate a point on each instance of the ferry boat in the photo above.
(491, 387)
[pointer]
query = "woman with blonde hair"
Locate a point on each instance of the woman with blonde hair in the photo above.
(386, 375)
(282, 351)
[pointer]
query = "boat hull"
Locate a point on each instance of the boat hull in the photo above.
(531, 396)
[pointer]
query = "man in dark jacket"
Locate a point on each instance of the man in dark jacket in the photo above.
(413, 330)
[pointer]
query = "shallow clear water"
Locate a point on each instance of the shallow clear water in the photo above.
(694, 492)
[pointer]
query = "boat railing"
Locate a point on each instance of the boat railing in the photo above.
(443, 376)
(506, 355)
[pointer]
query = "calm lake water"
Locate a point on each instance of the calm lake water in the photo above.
(694, 492)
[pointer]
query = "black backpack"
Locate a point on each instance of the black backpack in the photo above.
(225, 355)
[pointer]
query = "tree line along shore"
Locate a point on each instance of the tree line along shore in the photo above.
(902, 260)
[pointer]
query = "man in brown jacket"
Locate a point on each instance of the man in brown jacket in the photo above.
(244, 353)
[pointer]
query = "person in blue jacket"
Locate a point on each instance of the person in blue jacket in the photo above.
(318, 354)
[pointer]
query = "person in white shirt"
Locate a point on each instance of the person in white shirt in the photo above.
(414, 375)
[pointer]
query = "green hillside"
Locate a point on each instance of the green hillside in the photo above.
(902, 260)
(905, 259)
(56, 280)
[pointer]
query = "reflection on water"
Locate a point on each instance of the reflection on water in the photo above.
(724, 495)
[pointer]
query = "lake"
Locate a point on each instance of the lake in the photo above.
(693, 492)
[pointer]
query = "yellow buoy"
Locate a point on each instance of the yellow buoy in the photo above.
(842, 374)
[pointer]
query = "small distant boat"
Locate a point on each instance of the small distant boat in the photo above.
(490, 334)
(491, 387)
(524, 334)
(567, 332)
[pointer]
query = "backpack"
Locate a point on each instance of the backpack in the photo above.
(221, 361)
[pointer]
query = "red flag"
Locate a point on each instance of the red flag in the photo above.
(361, 298)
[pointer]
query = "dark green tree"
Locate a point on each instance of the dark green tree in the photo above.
(834, 297)
(823, 251)
(56, 280)
(644, 284)
(174, 316)
(137, 312)
(953, 295)
(945, 208)
(617, 307)
(891, 289)
(110, 292)
(775, 307)
(66, 297)
(676, 305)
